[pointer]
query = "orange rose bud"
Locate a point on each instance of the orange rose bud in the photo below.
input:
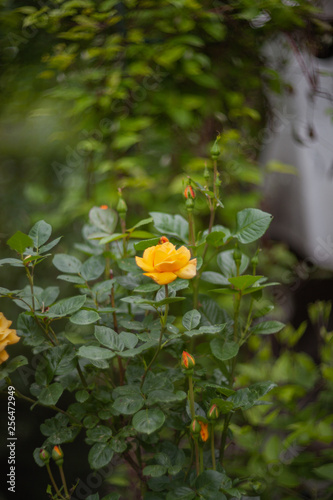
(189, 192)
(188, 361)
(163, 239)
(58, 455)
(195, 428)
(213, 412)
(104, 207)
(44, 456)
(204, 434)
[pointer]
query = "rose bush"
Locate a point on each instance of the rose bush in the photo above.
(145, 373)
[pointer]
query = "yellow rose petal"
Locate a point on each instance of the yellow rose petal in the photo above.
(143, 264)
(3, 356)
(162, 278)
(149, 256)
(189, 271)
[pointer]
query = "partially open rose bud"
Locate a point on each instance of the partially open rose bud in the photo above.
(189, 192)
(190, 196)
(204, 434)
(58, 455)
(188, 361)
(213, 412)
(195, 428)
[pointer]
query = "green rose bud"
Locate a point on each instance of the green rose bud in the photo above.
(44, 456)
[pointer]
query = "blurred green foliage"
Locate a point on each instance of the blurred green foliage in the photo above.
(107, 94)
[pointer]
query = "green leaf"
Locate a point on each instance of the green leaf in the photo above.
(245, 281)
(71, 279)
(66, 307)
(172, 225)
(106, 220)
(12, 262)
(50, 395)
(168, 300)
(12, 365)
(99, 434)
(53, 243)
(142, 245)
(100, 455)
(131, 353)
(252, 223)
(218, 238)
(267, 327)
(154, 470)
(223, 390)
(191, 319)
(215, 278)
(162, 396)
(260, 389)
(66, 263)
(142, 222)
(148, 421)
(147, 288)
(82, 396)
(95, 353)
(40, 233)
(223, 405)
(84, 317)
(49, 295)
(111, 496)
(109, 338)
(325, 471)
(128, 404)
(92, 268)
(181, 493)
(225, 261)
(20, 241)
(208, 483)
(128, 339)
(223, 349)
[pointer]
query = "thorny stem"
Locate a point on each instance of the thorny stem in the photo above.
(224, 436)
(191, 229)
(192, 410)
(163, 324)
(201, 459)
(63, 479)
(82, 377)
(212, 446)
(236, 314)
(115, 326)
(191, 396)
(32, 307)
(107, 266)
(31, 282)
(53, 481)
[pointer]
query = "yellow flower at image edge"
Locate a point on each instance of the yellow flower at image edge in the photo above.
(163, 263)
(7, 336)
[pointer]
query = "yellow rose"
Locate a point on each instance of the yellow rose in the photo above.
(163, 263)
(7, 337)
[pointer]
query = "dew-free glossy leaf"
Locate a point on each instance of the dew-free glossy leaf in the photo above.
(148, 421)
